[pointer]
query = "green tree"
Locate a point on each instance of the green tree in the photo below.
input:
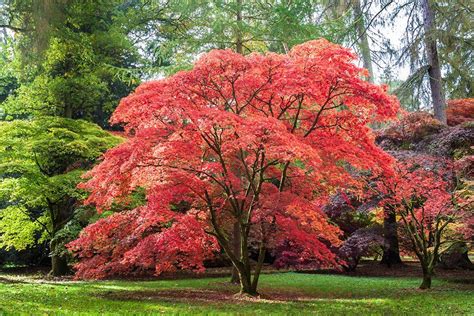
(437, 46)
(41, 162)
(455, 42)
(69, 55)
(197, 26)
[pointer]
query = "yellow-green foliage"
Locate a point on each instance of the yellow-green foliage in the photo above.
(41, 163)
(18, 230)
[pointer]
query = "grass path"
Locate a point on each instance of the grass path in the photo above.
(283, 293)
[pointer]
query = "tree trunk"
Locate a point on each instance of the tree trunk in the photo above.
(427, 274)
(59, 266)
(238, 35)
(235, 278)
(246, 286)
(434, 71)
(59, 263)
(391, 253)
(67, 111)
(363, 39)
(236, 229)
(426, 284)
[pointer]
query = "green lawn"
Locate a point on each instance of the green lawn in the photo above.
(285, 293)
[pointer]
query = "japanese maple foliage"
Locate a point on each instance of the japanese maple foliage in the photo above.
(411, 127)
(258, 140)
(460, 111)
(120, 244)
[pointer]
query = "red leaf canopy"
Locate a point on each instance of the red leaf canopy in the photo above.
(262, 139)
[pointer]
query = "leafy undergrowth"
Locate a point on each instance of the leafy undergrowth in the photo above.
(282, 293)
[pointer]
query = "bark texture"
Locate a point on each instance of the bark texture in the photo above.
(363, 38)
(434, 70)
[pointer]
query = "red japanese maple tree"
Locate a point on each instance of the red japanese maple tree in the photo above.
(421, 192)
(256, 141)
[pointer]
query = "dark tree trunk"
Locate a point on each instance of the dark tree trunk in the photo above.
(363, 39)
(248, 285)
(239, 47)
(391, 253)
(59, 266)
(100, 116)
(434, 71)
(68, 111)
(427, 275)
(235, 278)
(426, 284)
(59, 216)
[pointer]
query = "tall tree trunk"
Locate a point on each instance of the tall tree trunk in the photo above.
(391, 254)
(239, 47)
(434, 71)
(363, 39)
(235, 278)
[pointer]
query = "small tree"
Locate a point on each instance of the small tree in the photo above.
(421, 193)
(257, 141)
(41, 162)
(363, 242)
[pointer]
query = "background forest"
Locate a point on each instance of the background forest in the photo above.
(66, 64)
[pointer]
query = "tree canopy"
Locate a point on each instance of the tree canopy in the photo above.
(259, 140)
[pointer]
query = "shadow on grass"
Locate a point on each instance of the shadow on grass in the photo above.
(12, 281)
(224, 292)
(462, 281)
(229, 295)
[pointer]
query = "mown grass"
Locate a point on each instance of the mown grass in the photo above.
(284, 293)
